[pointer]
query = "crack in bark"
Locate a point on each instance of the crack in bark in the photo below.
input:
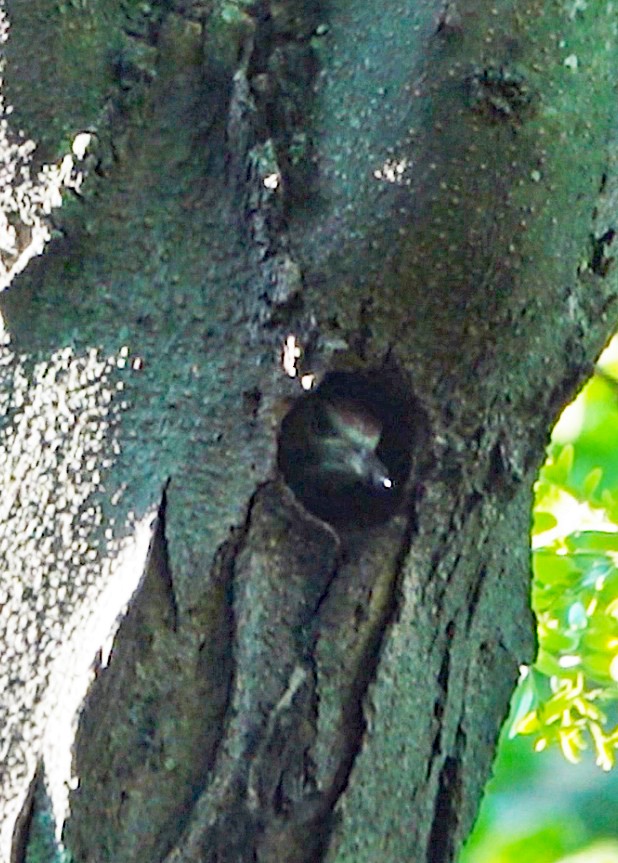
(164, 694)
(445, 822)
(438, 709)
(269, 158)
(23, 821)
(262, 785)
(355, 722)
(474, 596)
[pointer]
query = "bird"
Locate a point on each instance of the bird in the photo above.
(328, 455)
(344, 443)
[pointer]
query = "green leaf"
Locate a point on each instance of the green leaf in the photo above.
(592, 481)
(543, 521)
(596, 541)
(558, 470)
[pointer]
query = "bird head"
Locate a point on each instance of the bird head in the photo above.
(345, 439)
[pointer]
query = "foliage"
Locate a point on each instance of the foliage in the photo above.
(570, 696)
(542, 809)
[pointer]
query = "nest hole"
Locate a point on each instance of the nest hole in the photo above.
(346, 449)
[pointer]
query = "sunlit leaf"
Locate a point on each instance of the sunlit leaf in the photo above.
(557, 471)
(543, 521)
(591, 483)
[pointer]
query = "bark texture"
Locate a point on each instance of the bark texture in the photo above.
(423, 196)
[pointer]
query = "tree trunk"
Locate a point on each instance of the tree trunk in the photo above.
(409, 206)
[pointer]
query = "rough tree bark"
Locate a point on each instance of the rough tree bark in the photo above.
(421, 194)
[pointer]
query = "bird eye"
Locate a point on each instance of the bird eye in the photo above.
(319, 419)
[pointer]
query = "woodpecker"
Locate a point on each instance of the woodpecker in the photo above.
(328, 456)
(343, 445)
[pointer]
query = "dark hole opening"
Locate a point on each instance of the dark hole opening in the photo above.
(346, 449)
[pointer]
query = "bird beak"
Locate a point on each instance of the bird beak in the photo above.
(366, 465)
